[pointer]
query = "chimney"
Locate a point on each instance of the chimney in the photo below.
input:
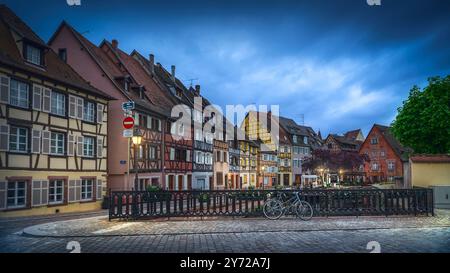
(197, 90)
(173, 73)
(115, 44)
(152, 63)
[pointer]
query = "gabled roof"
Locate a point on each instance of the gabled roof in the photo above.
(346, 143)
(353, 134)
(399, 149)
(155, 99)
(55, 69)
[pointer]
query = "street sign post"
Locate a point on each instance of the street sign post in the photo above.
(127, 106)
(128, 122)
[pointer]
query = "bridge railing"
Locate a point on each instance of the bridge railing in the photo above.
(325, 202)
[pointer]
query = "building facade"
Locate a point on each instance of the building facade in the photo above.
(221, 167)
(233, 177)
(387, 155)
(53, 129)
(267, 169)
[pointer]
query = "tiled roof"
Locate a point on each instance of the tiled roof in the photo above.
(352, 134)
(346, 143)
(431, 158)
(55, 69)
(399, 149)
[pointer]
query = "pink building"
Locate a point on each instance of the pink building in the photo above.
(105, 68)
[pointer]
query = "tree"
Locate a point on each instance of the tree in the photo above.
(335, 161)
(423, 122)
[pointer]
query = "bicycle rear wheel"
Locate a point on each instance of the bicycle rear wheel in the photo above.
(273, 209)
(304, 211)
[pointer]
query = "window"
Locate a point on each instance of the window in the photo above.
(18, 139)
(142, 120)
(55, 191)
(375, 166)
(58, 104)
(88, 146)
(62, 53)
(305, 140)
(294, 138)
(391, 166)
(89, 111)
(286, 162)
(172, 154)
(374, 140)
(33, 55)
(156, 124)
(19, 94)
(151, 152)
(57, 143)
(382, 153)
(16, 194)
(86, 189)
(218, 158)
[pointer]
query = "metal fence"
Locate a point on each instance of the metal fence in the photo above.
(145, 204)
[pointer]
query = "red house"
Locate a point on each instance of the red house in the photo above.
(387, 155)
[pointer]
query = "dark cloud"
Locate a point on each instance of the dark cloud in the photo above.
(343, 64)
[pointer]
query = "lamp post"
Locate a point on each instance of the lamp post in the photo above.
(137, 139)
(263, 178)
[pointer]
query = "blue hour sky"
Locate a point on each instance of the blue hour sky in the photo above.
(342, 64)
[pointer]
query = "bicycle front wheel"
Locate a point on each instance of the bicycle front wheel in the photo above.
(273, 209)
(304, 211)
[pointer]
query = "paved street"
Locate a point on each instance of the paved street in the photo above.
(344, 234)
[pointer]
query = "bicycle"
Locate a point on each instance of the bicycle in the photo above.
(274, 208)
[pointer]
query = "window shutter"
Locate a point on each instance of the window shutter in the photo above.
(46, 100)
(149, 122)
(159, 125)
(44, 192)
(37, 97)
(99, 189)
(45, 142)
(4, 89)
(100, 108)
(100, 148)
(80, 108)
(4, 137)
(3, 195)
(80, 143)
(72, 106)
(72, 190)
(36, 193)
(70, 145)
(78, 190)
(36, 142)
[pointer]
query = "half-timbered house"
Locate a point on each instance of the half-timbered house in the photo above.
(53, 128)
(178, 141)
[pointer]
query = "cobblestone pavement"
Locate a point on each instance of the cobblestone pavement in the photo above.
(344, 234)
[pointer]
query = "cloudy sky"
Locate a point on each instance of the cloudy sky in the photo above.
(341, 64)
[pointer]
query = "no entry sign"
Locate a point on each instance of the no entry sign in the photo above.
(128, 122)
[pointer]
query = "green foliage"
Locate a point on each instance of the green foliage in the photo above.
(423, 122)
(153, 188)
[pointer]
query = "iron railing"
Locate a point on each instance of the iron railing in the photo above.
(358, 202)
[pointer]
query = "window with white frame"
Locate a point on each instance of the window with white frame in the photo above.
(294, 138)
(88, 146)
(57, 141)
(89, 111)
(58, 104)
(391, 165)
(55, 191)
(33, 55)
(87, 186)
(19, 94)
(375, 166)
(18, 139)
(151, 152)
(305, 140)
(16, 194)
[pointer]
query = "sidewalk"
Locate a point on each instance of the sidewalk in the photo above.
(100, 226)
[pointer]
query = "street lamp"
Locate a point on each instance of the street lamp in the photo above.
(136, 139)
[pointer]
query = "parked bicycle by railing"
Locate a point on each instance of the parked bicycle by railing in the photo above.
(279, 205)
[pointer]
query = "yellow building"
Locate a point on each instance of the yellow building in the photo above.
(53, 128)
(431, 171)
